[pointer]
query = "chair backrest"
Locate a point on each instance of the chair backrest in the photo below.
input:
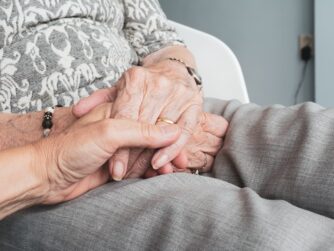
(217, 64)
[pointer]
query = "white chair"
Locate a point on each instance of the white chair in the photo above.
(217, 64)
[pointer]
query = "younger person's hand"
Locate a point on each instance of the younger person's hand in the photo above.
(71, 163)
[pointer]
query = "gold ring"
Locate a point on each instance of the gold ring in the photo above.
(168, 121)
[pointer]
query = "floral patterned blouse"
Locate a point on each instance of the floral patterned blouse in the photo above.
(58, 51)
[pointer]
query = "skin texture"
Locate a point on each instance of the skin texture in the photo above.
(198, 153)
(22, 129)
(160, 88)
(52, 171)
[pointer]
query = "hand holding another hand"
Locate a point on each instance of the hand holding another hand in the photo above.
(145, 94)
(198, 153)
(71, 163)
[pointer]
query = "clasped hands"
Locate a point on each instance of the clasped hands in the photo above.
(117, 136)
(163, 90)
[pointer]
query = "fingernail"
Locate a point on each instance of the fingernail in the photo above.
(169, 130)
(118, 170)
(160, 161)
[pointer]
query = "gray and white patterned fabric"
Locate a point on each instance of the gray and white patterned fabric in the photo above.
(58, 51)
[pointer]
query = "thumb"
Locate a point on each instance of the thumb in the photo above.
(127, 133)
(87, 104)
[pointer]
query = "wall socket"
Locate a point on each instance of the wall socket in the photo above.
(306, 40)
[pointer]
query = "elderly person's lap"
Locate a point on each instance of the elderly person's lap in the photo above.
(179, 211)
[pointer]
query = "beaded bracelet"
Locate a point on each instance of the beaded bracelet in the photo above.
(47, 120)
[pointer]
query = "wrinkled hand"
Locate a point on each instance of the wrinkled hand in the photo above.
(71, 162)
(164, 90)
(199, 153)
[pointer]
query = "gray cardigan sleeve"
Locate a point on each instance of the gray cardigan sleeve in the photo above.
(279, 152)
(146, 27)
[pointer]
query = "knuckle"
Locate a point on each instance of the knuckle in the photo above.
(163, 83)
(190, 122)
(126, 111)
(123, 115)
(214, 147)
(136, 71)
(187, 131)
(134, 77)
(204, 119)
(183, 89)
(216, 144)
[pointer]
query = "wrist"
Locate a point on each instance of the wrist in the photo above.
(62, 119)
(169, 67)
(191, 71)
(44, 165)
(20, 130)
(38, 168)
(176, 51)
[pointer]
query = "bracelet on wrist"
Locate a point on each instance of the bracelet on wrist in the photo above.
(192, 72)
(47, 120)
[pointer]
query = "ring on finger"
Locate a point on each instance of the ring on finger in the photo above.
(166, 120)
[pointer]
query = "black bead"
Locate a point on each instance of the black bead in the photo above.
(47, 124)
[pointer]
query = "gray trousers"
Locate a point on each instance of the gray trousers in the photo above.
(271, 189)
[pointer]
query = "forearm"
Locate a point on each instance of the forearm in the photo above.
(177, 51)
(18, 130)
(21, 184)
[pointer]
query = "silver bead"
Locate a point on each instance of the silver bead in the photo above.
(46, 132)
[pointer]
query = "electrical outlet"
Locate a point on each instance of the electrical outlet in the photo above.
(305, 40)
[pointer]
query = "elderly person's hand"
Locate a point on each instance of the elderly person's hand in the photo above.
(72, 160)
(204, 145)
(161, 90)
(198, 154)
